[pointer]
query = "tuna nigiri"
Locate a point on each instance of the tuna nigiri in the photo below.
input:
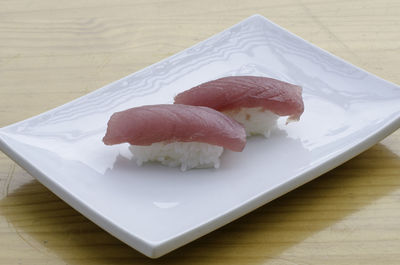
(189, 136)
(256, 102)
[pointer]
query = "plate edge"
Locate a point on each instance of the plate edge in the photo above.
(325, 51)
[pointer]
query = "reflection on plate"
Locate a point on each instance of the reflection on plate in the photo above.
(156, 209)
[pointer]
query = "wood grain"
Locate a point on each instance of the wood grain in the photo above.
(54, 51)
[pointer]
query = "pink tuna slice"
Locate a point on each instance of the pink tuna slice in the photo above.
(174, 123)
(234, 92)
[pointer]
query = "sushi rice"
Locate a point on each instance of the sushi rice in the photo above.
(256, 121)
(187, 155)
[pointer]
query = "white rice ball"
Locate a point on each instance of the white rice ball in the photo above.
(255, 120)
(187, 155)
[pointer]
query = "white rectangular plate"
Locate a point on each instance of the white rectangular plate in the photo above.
(156, 209)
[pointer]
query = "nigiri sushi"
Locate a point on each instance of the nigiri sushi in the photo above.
(255, 102)
(175, 134)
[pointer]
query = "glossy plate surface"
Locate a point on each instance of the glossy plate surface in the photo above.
(156, 209)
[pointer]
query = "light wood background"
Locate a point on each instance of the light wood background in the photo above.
(54, 51)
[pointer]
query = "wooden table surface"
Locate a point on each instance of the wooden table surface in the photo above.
(54, 51)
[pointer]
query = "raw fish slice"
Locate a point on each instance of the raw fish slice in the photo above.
(235, 92)
(174, 123)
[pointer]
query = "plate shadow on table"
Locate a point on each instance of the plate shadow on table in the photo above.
(45, 222)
